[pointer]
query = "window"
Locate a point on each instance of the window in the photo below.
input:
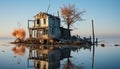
(44, 21)
(38, 21)
(45, 31)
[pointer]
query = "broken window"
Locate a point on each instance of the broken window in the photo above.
(38, 21)
(44, 21)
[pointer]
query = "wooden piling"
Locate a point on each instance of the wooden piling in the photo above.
(93, 32)
(93, 44)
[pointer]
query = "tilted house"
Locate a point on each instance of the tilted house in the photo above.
(46, 28)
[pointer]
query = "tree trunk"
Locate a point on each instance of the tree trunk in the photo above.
(68, 27)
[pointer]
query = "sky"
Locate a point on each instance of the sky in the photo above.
(105, 13)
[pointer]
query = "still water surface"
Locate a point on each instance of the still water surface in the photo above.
(36, 57)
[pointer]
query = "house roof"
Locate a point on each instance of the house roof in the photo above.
(43, 13)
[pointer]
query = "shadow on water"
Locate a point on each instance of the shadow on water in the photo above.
(70, 65)
(18, 50)
(48, 57)
(93, 52)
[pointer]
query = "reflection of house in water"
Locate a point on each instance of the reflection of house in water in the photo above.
(48, 58)
(47, 28)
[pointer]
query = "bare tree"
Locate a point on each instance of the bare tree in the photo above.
(71, 15)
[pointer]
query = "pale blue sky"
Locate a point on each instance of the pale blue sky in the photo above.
(106, 15)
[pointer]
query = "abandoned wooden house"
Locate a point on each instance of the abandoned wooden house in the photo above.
(46, 28)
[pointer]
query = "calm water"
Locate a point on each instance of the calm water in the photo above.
(36, 57)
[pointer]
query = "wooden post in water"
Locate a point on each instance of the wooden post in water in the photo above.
(93, 32)
(93, 45)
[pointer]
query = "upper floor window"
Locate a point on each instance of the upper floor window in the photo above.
(44, 21)
(38, 21)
